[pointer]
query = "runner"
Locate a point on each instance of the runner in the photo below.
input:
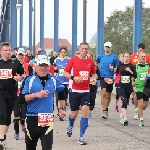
(141, 71)
(78, 70)
(108, 62)
(60, 63)
(39, 100)
(134, 60)
(126, 71)
(93, 88)
(117, 79)
(10, 72)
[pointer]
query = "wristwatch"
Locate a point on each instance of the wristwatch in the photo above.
(63, 108)
(72, 77)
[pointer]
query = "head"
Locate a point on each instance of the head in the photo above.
(107, 47)
(55, 53)
(63, 52)
(121, 58)
(28, 52)
(15, 51)
(141, 48)
(142, 57)
(126, 58)
(5, 50)
(42, 52)
(77, 52)
(90, 55)
(42, 65)
(21, 54)
(83, 49)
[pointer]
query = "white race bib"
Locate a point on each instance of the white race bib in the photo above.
(143, 75)
(125, 79)
(84, 75)
(61, 71)
(5, 73)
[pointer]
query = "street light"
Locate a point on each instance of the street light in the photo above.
(19, 6)
(84, 20)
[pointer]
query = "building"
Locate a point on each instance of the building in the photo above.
(49, 45)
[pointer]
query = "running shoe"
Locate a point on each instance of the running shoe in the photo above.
(2, 145)
(116, 109)
(126, 122)
(82, 141)
(105, 115)
(141, 124)
(69, 131)
(16, 136)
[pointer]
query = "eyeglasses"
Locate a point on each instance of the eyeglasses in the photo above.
(143, 56)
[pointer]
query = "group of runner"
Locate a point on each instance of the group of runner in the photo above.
(37, 80)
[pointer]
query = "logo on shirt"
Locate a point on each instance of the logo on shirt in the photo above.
(5, 73)
(84, 74)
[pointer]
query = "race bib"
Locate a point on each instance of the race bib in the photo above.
(125, 79)
(84, 75)
(61, 71)
(108, 80)
(143, 75)
(5, 73)
(45, 119)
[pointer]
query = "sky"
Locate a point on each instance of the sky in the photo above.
(65, 18)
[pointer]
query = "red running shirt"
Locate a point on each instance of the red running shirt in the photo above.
(80, 68)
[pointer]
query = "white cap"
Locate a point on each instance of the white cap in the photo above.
(108, 44)
(21, 51)
(42, 59)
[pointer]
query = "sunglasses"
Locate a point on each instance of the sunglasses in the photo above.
(107, 46)
(77, 53)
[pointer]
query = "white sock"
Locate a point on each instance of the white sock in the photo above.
(125, 118)
(141, 118)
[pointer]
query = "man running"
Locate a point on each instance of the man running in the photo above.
(78, 70)
(108, 62)
(141, 71)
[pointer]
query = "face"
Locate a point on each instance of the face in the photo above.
(6, 51)
(54, 53)
(42, 70)
(121, 58)
(77, 53)
(84, 50)
(63, 53)
(107, 49)
(20, 57)
(142, 57)
(28, 52)
(126, 58)
(140, 50)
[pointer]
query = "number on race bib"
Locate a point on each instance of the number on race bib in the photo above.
(125, 79)
(61, 71)
(5, 73)
(84, 75)
(45, 119)
(143, 75)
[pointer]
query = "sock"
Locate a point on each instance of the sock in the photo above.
(1, 140)
(107, 109)
(125, 118)
(141, 118)
(22, 122)
(83, 126)
(71, 121)
(4, 137)
(16, 126)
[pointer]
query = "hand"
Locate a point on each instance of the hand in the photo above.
(42, 93)
(55, 74)
(17, 78)
(133, 84)
(129, 70)
(78, 79)
(111, 67)
(62, 113)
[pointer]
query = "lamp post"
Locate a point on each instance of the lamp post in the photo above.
(19, 6)
(84, 20)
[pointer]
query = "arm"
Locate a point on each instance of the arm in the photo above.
(98, 73)
(134, 73)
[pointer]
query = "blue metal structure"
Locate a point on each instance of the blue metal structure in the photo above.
(13, 24)
(137, 24)
(8, 24)
(42, 24)
(74, 25)
(30, 23)
(21, 25)
(56, 24)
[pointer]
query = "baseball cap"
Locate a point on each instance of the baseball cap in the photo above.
(21, 51)
(42, 59)
(108, 44)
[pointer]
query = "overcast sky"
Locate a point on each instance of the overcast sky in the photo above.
(65, 18)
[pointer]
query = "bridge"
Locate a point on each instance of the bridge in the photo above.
(8, 23)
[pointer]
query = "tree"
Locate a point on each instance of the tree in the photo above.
(119, 29)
